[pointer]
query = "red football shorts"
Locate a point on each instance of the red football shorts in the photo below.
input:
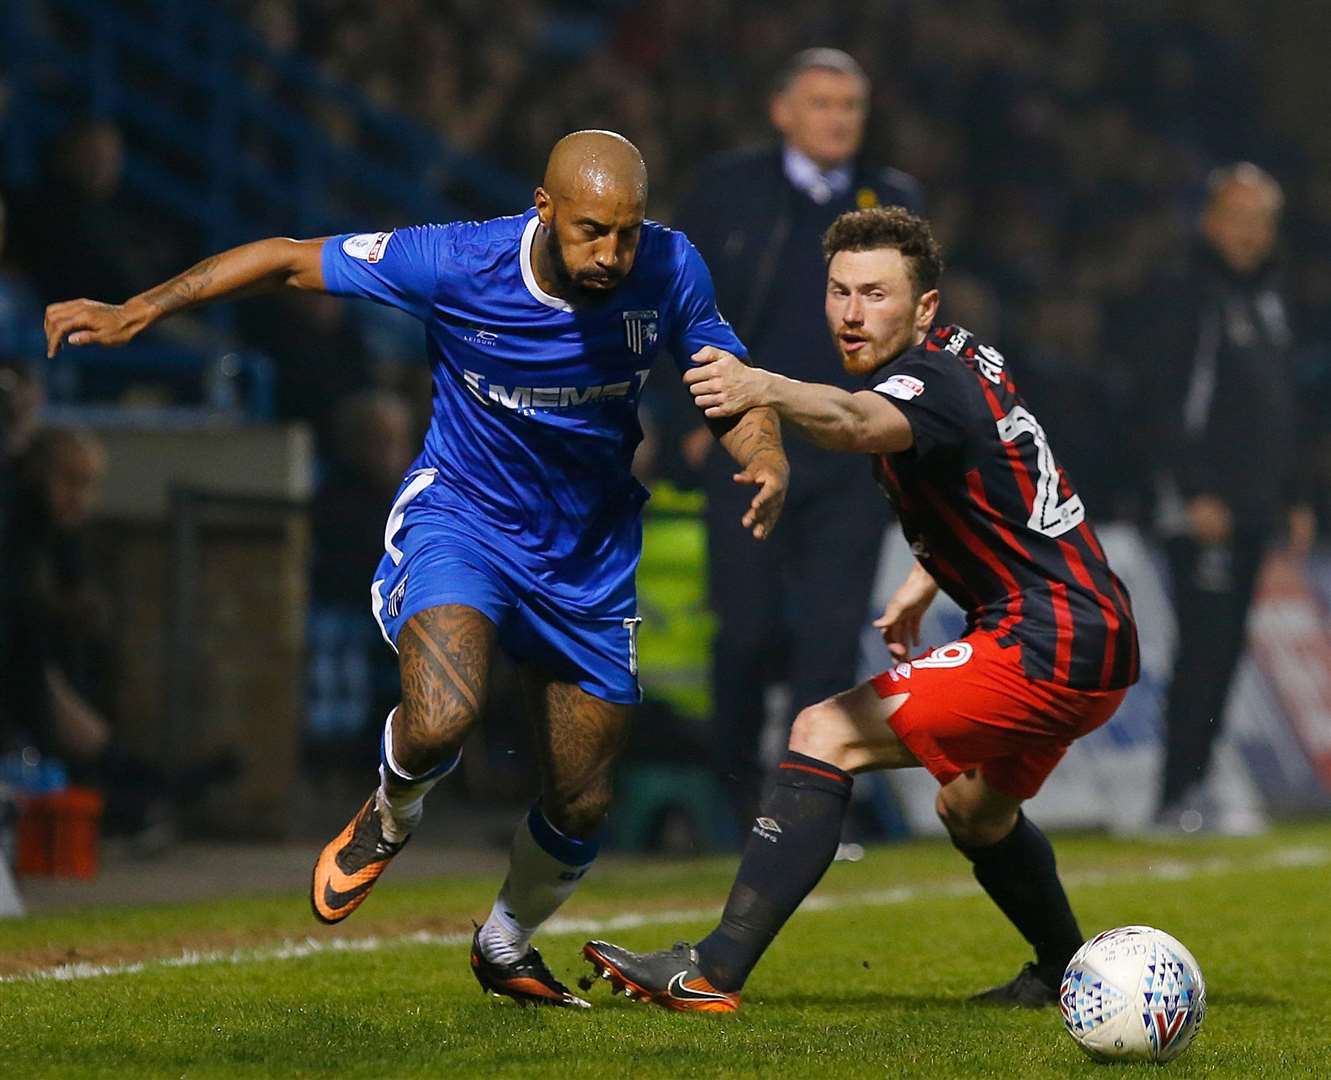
(971, 706)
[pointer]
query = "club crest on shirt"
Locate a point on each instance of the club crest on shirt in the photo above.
(903, 387)
(640, 330)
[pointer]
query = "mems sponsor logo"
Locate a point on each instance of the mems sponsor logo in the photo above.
(519, 398)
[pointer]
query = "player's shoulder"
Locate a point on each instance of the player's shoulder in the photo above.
(962, 345)
(503, 231)
(951, 358)
(664, 252)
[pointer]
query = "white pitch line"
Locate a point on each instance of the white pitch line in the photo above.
(1164, 870)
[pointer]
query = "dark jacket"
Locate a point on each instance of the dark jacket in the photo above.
(1217, 378)
(762, 239)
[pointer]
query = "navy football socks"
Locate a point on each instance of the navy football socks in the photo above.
(1020, 876)
(791, 845)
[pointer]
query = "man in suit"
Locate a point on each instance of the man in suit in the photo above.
(1226, 425)
(791, 610)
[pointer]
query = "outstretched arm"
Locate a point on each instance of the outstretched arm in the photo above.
(754, 441)
(258, 267)
(861, 422)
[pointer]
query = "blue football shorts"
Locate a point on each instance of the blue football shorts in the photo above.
(432, 558)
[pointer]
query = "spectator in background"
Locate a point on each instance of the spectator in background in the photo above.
(1225, 422)
(58, 625)
(82, 234)
(58, 618)
(758, 216)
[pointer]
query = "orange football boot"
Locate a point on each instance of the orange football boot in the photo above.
(349, 866)
(670, 978)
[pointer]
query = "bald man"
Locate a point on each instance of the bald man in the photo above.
(518, 526)
(1222, 394)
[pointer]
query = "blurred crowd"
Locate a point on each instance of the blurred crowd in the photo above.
(1062, 152)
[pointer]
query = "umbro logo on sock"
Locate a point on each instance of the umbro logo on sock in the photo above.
(767, 828)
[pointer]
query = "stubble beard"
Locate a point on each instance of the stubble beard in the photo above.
(569, 285)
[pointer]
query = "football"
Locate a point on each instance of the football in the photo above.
(1133, 994)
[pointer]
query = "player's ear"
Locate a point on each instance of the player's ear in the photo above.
(545, 207)
(925, 310)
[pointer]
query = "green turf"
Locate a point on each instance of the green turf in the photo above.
(872, 988)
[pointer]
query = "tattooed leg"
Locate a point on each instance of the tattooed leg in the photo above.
(578, 738)
(444, 658)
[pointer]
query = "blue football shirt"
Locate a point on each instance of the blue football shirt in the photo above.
(535, 411)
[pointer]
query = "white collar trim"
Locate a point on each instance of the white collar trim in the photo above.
(529, 275)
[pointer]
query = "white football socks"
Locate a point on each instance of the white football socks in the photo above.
(402, 795)
(544, 868)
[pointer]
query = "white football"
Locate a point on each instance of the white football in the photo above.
(1133, 994)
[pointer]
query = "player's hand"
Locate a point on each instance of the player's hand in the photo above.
(772, 478)
(89, 322)
(900, 622)
(723, 385)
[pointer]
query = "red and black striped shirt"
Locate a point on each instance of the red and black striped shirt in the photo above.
(995, 521)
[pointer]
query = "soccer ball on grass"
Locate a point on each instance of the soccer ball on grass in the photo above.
(1133, 994)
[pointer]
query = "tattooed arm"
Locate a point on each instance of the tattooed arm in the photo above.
(258, 267)
(753, 439)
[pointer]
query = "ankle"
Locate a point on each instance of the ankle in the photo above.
(397, 819)
(717, 955)
(502, 939)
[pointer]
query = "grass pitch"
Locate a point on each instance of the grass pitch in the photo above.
(869, 979)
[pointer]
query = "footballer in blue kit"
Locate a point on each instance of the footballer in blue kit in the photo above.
(522, 504)
(518, 526)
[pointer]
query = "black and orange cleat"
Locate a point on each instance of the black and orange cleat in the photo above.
(527, 981)
(670, 978)
(350, 864)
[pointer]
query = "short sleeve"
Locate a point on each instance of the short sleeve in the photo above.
(696, 320)
(936, 400)
(401, 268)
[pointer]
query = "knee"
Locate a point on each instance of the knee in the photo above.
(816, 734)
(580, 814)
(424, 737)
(969, 823)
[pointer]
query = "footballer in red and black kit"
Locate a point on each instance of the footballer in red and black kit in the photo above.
(1050, 645)
(996, 522)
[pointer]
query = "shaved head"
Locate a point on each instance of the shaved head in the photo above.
(591, 206)
(600, 164)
